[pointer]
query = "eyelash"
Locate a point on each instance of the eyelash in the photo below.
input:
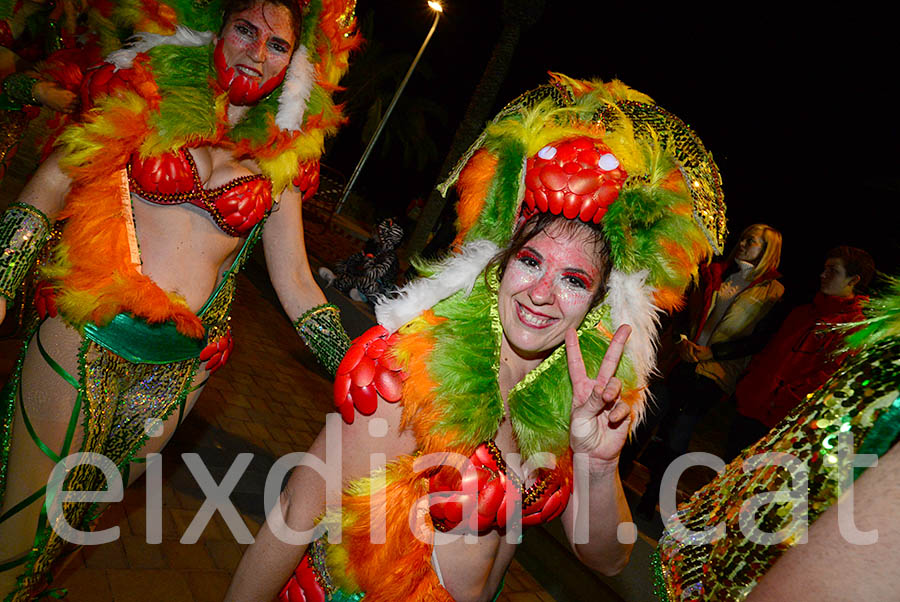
(528, 259)
(247, 32)
(577, 280)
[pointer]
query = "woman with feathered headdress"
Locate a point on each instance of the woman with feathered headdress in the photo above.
(199, 139)
(584, 209)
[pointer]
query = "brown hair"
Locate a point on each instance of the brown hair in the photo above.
(230, 7)
(856, 263)
(546, 222)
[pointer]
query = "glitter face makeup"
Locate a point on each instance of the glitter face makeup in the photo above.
(254, 52)
(547, 288)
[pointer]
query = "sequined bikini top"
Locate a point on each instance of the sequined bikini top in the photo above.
(172, 179)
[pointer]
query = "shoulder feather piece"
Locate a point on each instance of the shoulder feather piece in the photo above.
(455, 273)
(143, 41)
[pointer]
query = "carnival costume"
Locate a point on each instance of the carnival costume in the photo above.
(861, 400)
(599, 152)
(142, 345)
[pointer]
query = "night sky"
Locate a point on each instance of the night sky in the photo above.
(799, 108)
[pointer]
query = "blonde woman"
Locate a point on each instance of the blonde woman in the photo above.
(724, 311)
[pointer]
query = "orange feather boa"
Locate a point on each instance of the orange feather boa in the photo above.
(92, 267)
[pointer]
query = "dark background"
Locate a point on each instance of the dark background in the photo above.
(799, 107)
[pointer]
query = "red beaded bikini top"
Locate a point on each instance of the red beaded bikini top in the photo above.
(172, 179)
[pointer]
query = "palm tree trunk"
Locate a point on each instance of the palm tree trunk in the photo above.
(518, 15)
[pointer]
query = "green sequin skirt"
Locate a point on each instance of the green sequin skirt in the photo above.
(117, 402)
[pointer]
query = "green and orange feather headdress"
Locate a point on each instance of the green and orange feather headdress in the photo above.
(668, 215)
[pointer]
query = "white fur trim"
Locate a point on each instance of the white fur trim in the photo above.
(455, 273)
(298, 84)
(143, 41)
(631, 302)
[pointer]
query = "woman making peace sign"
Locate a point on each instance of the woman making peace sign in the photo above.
(582, 185)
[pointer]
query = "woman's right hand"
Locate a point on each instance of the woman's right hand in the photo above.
(2, 308)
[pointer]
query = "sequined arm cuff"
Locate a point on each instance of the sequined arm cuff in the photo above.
(17, 91)
(23, 232)
(321, 330)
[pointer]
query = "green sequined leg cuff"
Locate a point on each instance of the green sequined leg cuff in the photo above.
(23, 232)
(17, 91)
(321, 330)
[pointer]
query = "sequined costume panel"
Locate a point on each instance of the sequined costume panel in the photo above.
(118, 399)
(861, 401)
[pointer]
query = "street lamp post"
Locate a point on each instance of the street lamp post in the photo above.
(438, 9)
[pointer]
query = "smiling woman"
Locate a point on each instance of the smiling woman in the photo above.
(499, 358)
(553, 272)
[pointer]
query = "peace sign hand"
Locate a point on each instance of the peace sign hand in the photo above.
(600, 419)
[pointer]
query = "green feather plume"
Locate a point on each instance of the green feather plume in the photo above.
(186, 111)
(498, 218)
(882, 316)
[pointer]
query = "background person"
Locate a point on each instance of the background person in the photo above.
(806, 350)
(724, 311)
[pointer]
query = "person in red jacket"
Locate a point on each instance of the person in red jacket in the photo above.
(805, 351)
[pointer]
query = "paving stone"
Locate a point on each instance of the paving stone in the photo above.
(114, 515)
(225, 554)
(106, 556)
(184, 556)
(236, 412)
(86, 584)
(257, 431)
(184, 518)
(137, 522)
(208, 586)
(152, 584)
(142, 555)
(235, 427)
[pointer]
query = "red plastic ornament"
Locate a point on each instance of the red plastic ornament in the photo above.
(367, 371)
(168, 173)
(217, 353)
(244, 206)
(307, 178)
(302, 586)
(579, 177)
(496, 489)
